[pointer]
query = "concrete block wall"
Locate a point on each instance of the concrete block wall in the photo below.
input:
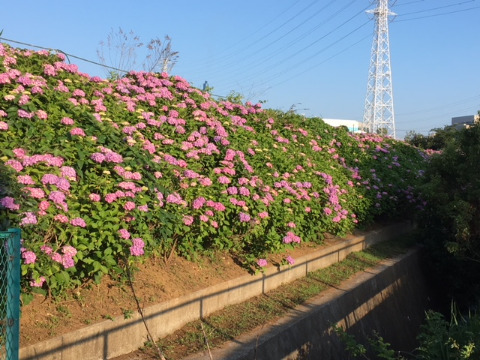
(109, 339)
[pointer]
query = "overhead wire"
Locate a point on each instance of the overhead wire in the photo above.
(251, 44)
(282, 62)
(443, 105)
(434, 15)
(265, 47)
(63, 52)
(325, 60)
(432, 9)
(304, 35)
(437, 8)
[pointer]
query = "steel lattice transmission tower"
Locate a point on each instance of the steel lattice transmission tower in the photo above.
(378, 115)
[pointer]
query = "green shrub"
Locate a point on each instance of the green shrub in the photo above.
(112, 170)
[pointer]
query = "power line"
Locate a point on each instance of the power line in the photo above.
(442, 106)
(408, 3)
(259, 62)
(327, 59)
(66, 54)
(295, 28)
(249, 45)
(446, 13)
(281, 61)
(437, 8)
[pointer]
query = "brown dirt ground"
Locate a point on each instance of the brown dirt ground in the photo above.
(155, 282)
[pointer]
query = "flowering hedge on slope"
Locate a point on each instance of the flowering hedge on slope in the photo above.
(110, 170)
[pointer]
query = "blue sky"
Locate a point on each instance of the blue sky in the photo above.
(312, 55)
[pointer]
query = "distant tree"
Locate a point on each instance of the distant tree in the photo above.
(438, 139)
(416, 139)
(382, 131)
(120, 52)
(442, 137)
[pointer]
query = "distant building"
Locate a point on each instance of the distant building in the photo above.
(352, 125)
(460, 122)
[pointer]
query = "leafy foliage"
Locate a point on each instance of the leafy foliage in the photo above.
(449, 225)
(111, 170)
(439, 339)
(437, 141)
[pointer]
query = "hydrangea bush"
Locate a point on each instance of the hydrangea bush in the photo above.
(147, 164)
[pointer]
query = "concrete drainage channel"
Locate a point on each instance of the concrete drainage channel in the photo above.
(109, 339)
(391, 299)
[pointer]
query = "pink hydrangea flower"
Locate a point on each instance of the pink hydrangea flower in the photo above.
(262, 262)
(36, 193)
(198, 202)
(263, 215)
(67, 262)
(143, 208)
(29, 257)
(19, 153)
(205, 182)
(188, 220)
(24, 114)
(98, 157)
(68, 173)
(46, 249)
(224, 180)
(290, 260)
(113, 157)
(244, 217)
(29, 218)
(244, 191)
(69, 251)
(56, 257)
(129, 205)
(3, 125)
(124, 234)
(63, 184)
(61, 218)
(44, 205)
(78, 222)
(25, 179)
(291, 237)
(42, 115)
(77, 131)
(57, 197)
(110, 198)
(137, 247)
(94, 197)
(49, 179)
(17, 165)
(38, 283)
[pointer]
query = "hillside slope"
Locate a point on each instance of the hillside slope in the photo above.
(99, 172)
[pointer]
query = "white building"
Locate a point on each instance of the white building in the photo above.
(465, 121)
(352, 125)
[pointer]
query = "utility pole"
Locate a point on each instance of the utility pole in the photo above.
(378, 115)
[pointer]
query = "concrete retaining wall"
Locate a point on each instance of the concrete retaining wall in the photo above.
(109, 339)
(390, 299)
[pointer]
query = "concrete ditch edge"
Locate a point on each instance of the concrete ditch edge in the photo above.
(109, 339)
